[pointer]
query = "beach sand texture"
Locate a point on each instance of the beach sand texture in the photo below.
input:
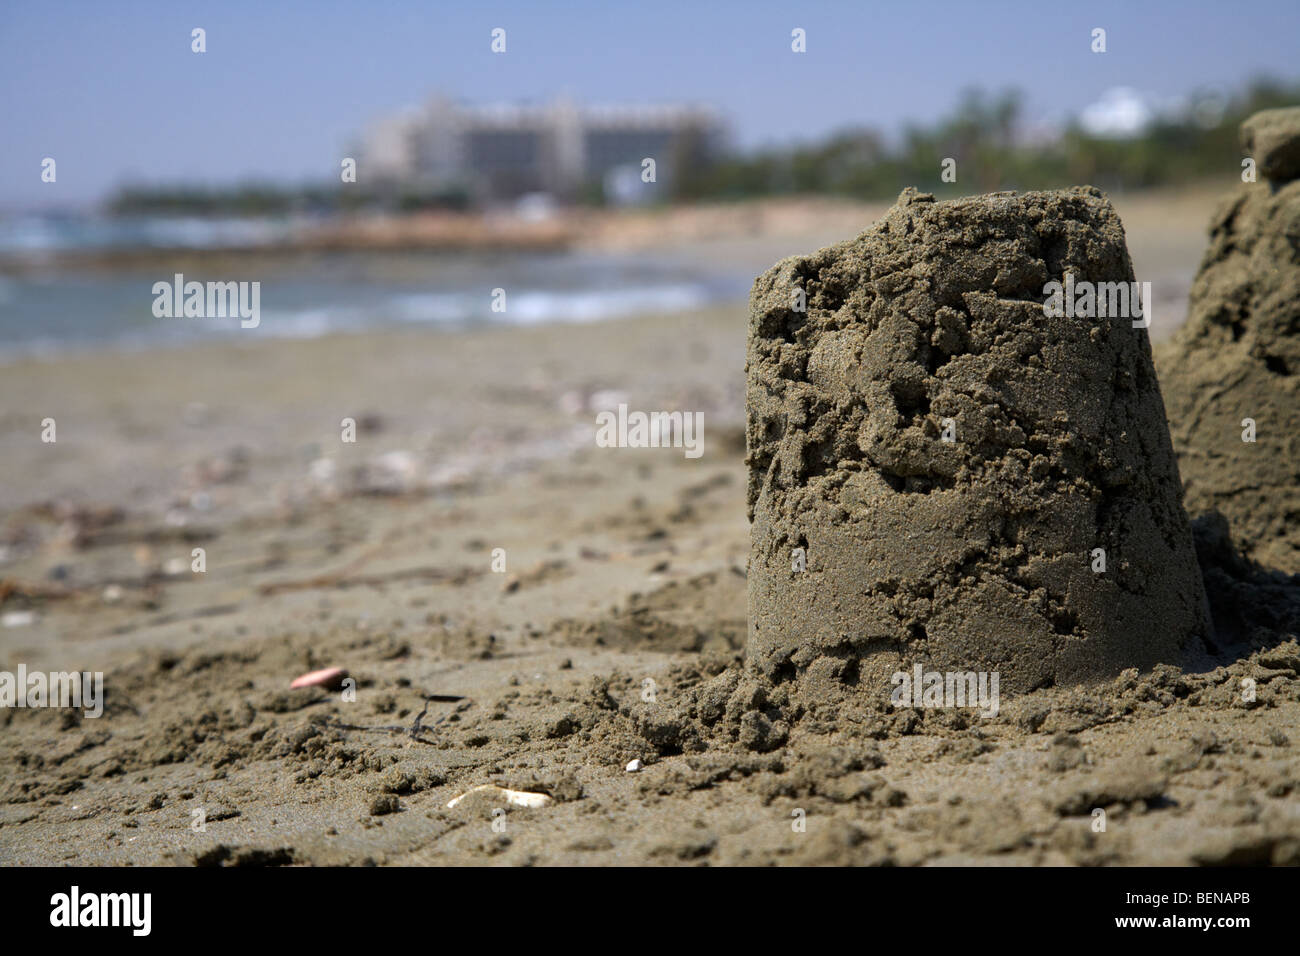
(616, 632)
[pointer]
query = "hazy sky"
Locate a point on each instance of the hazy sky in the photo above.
(112, 91)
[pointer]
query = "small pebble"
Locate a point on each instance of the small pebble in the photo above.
(634, 766)
(384, 804)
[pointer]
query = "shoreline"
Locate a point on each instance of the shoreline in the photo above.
(805, 219)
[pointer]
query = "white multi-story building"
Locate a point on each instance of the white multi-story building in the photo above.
(509, 150)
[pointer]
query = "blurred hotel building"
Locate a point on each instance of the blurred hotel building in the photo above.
(503, 152)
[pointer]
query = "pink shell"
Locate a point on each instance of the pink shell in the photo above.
(326, 677)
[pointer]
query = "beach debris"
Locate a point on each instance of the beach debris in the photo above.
(225, 468)
(18, 618)
(322, 470)
(330, 678)
(417, 727)
(539, 573)
(11, 587)
(634, 766)
(606, 400)
(343, 579)
(112, 594)
(349, 576)
(81, 526)
(384, 804)
(518, 798)
(392, 473)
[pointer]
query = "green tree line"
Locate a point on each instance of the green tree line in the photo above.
(981, 135)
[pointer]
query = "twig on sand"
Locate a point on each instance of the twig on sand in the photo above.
(417, 726)
(342, 580)
(10, 587)
(348, 576)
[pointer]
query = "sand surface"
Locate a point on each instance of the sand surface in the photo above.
(613, 635)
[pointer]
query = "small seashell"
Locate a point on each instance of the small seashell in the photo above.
(520, 798)
(634, 766)
(329, 677)
(322, 469)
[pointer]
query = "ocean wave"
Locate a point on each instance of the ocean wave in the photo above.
(41, 315)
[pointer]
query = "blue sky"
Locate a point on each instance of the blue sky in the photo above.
(112, 91)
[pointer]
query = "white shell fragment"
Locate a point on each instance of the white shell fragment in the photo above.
(520, 798)
(634, 766)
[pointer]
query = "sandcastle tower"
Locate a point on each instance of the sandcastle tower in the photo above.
(941, 472)
(1231, 377)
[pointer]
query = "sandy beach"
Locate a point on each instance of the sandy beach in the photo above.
(614, 633)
